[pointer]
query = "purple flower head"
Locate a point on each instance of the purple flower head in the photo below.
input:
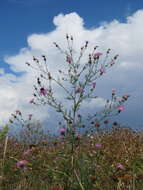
(18, 112)
(62, 131)
(94, 84)
(27, 152)
(43, 91)
(62, 143)
(21, 163)
(121, 108)
(102, 70)
(32, 101)
(69, 59)
(30, 116)
(78, 136)
(98, 145)
(112, 63)
(98, 54)
(120, 166)
(78, 90)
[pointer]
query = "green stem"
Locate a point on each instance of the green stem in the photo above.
(79, 181)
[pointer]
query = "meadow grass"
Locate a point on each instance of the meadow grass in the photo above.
(109, 160)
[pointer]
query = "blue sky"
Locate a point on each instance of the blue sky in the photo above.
(21, 19)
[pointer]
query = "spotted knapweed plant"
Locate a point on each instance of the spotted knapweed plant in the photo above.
(27, 129)
(78, 83)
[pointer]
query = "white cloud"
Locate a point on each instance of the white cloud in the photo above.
(123, 38)
(94, 103)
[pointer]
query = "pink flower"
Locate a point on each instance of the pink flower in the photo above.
(18, 112)
(27, 152)
(94, 84)
(102, 70)
(32, 101)
(78, 90)
(30, 116)
(78, 136)
(121, 108)
(112, 63)
(62, 131)
(43, 91)
(98, 145)
(98, 54)
(21, 163)
(62, 143)
(120, 166)
(69, 59)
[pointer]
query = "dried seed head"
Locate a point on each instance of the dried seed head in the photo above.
(97, 124)
(125, 96)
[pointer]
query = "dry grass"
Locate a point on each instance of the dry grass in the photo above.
(111, 160)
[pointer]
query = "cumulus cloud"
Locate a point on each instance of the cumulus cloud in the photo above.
(123, 38)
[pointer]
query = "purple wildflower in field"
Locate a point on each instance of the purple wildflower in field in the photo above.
(21, 163)
(120, 166)
(62, 143)
(98, 145)
(62, 131)
(27, 152)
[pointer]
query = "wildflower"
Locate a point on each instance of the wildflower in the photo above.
(32, 101)
(18, 112)
(30, 116)
(43, 91)
(78, 90)
(62, 131)
(69, 59)
(120, 166)
(112, 63)
(102, 70)
(78, 136)
(79, 116)
(121, 108)
(21, 163)
(98, 54)
(94, 84)
(98, 145)
(62, 143)
(27, 152)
